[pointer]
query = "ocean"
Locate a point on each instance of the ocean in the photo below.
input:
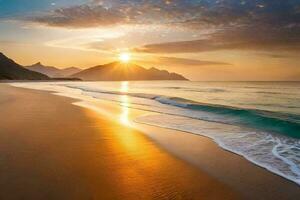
(257, 120)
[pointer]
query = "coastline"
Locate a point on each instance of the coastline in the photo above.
(249, 179)
(52, 149)
(225, 168)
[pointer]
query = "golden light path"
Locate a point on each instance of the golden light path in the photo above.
(124, 87)
(125, 102)
(129, 163)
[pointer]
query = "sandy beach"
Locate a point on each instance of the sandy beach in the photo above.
(52, 149)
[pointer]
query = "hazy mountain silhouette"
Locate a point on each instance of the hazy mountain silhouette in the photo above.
(117, 71)
(53, 72)
(9, 70)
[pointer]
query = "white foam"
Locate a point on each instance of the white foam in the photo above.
(278, 154)
(258, 147)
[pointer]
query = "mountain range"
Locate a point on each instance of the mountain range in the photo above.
(53, 72)
(10, 70)
(116, 71)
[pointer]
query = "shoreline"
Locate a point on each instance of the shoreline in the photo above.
(179, 144)
(52, 149)
(225, 149)
(134, 114)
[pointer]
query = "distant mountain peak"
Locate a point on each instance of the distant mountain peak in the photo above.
(53, 72)
(2, 56)
(117, 71)
(10, 70)
(71, 68)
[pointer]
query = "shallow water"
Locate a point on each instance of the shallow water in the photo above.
(258, 120)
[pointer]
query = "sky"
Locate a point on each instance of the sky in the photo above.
(205, 40)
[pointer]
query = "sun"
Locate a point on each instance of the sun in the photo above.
(125, 57)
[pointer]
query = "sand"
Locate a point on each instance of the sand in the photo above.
(246, 178)
(51, 149)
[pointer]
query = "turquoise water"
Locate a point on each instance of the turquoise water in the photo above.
(258, 120)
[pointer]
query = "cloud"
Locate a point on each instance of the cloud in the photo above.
(177, 62)
(272, 55)
(12, 42)
(230, 40)
(263, 37)
(186, 13)
(80, 16)
(7, 42)
(111, 45)
(103, 13)
(188, 62)
(234, 24)
(179, 47)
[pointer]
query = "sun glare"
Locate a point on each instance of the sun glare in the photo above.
(125, 57)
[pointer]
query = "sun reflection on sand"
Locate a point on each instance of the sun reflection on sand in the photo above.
(132, 165)
(136, 167)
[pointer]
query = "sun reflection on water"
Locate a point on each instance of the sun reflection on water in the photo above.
(124, 87)
(125, 102)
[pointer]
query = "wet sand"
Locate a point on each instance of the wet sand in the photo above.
(55, 150)
(246, 178)
(51, 149)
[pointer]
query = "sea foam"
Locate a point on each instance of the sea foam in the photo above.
(267, 138)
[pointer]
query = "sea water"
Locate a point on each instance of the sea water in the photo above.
(257, 120)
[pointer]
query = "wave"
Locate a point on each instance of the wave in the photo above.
(213, 90)
(287, 124)
(277, 122)
(247, 132)
(269, 105)
(278, 154)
